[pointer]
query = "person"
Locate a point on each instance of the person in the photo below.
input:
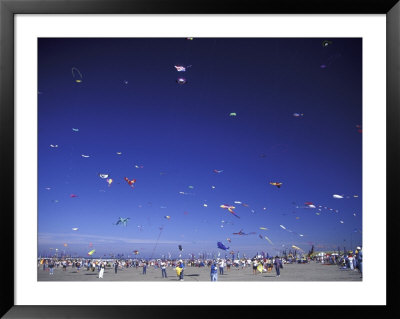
(221, 267)
(214, 272)
(144, 267)
(101, 273)
(351, 261)
(228, 265)
(116, 266)
(359, 260)
(278, 266)
(51, 267)
(182, 266)
(255, 265)
(163, 269)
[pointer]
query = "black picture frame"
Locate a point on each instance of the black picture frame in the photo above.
(9, 8)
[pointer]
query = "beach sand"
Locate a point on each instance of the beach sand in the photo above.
(291, 272)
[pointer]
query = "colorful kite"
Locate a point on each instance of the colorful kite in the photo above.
(136, 252)
(90, 253)
(109, 181)
(130, 182)
(229, 240)
(230, 208)
(167, 217)
(218, 171)
(103, 176)
(277, 184)
(264, 228)
(73, 196)
(119, 153)
(232, 114)
(180, 68)
(295, 247)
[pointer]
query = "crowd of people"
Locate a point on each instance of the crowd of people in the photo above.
(217, 266)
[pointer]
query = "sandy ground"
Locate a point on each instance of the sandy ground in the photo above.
(292, 272)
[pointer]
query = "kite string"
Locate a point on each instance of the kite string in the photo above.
(158, 238)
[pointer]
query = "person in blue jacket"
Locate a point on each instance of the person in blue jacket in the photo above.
(214, 272)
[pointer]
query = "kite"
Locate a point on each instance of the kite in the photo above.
(342, 222)
(185, 213)
(218, 171)
(77, 75)
(277, 184)
(90, 253)
(125, 82)
(136, 252)
(181, 81)
(232, 114)
(261, 237)
(359, 129)
(326, 43)
(269, 240)
(189, 39)
(75, 129)
(241, 233)
(119, 153)
(298, 114)
(180, 247)
(229, 240)
(65, 245)
(55, 200)
(139, 166)
(122, 221)
(103, 175)
(282, 226)
(295, 247)
(167, 217)
(130, 182)
(190, 186)
(222, 246)
(51, 145)
(73, 195)
(47, 188)
(264, 228)
(337, 196)
(85, 156)
(180, 68)
(230, 209)
(213, 187)
(309, 205)
(237, 202)
(75, 228)
(205, 205)
(260, 267)
(109, 181)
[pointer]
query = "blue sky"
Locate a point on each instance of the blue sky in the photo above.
(129, 102)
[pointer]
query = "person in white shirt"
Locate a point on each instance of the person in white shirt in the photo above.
(221, 267)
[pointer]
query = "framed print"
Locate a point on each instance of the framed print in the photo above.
(162, 155)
